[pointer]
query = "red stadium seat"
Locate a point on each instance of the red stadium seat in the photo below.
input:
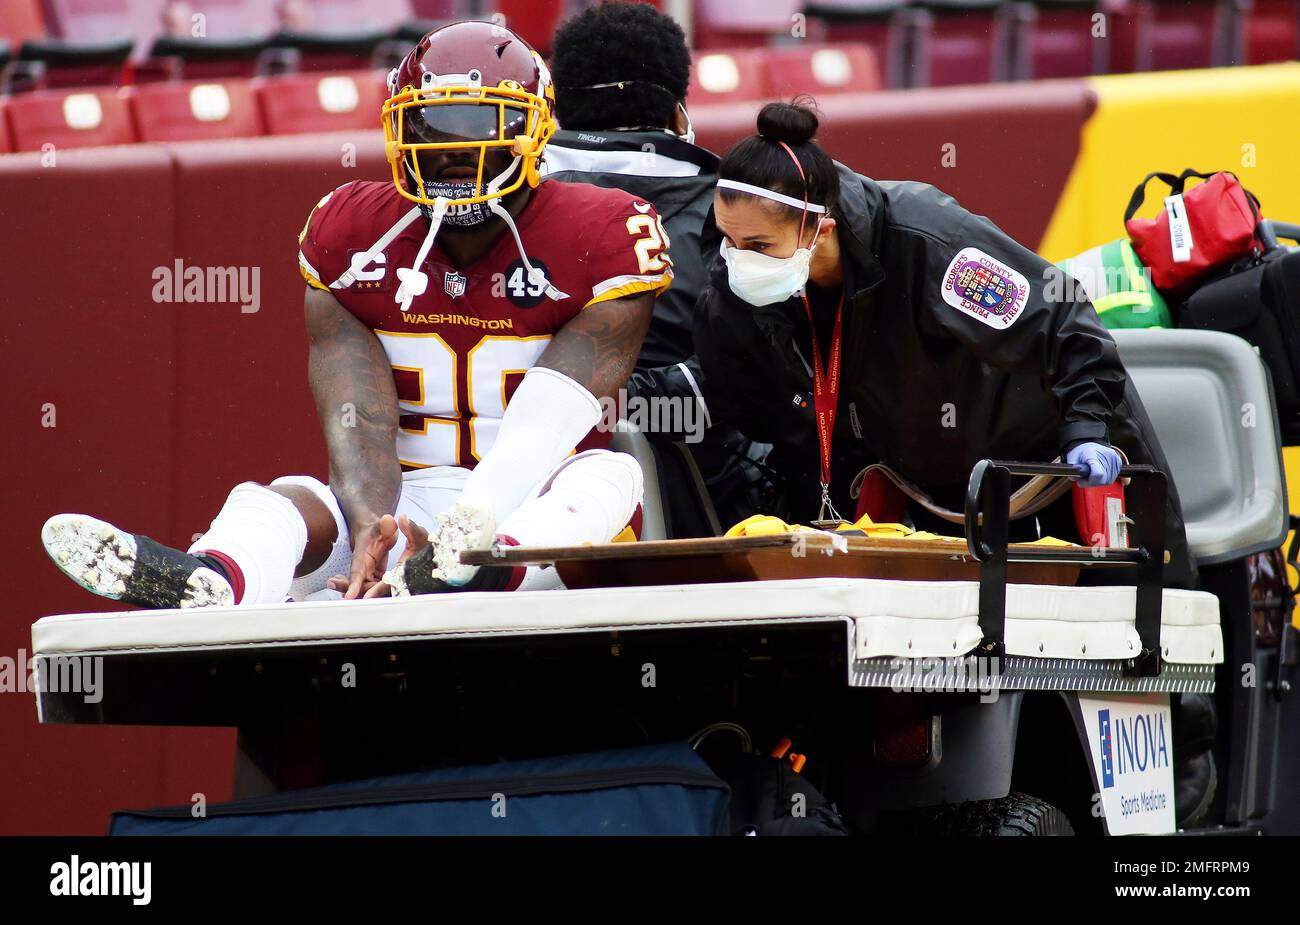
(728, 76)
(21, 20)
(1272, 31)
(90, 21)
(77, 64)
(821, 69)
(967, 42)
(300, 103)
(884, 26)
(745, 24)
(353, 15)
(75, 119)
(1060, 40)
(436, 9)
(6, 141)
(195, 110)
(1193, 33)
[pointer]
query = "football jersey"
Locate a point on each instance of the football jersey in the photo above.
(463, 346)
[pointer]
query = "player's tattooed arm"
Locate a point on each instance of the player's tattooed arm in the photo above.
(356, 401)
(598, 347)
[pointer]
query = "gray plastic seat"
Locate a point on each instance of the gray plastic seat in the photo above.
(1210, 399)
(627, 439)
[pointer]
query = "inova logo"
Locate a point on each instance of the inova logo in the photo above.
(1131, 745)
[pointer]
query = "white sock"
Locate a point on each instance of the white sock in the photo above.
(263, 533)
(590, 499)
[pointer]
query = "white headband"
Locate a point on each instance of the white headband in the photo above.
(769, 194)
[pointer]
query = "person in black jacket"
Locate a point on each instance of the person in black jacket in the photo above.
(954, 341)
(621, 72)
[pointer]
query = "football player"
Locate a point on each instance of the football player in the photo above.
(464, 321)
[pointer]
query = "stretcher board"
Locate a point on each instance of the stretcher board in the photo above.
(770, 558)
(158, 664)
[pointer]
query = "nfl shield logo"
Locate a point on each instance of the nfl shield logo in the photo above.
(454, 283)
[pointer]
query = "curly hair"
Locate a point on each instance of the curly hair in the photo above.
(629, 43)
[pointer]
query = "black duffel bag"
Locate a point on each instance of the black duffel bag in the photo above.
(1260, 303)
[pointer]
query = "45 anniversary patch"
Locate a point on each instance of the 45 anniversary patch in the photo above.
(985, 288)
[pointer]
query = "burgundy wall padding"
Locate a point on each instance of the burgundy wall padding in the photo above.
(160, 408)
(83, 339)
(1013, 149)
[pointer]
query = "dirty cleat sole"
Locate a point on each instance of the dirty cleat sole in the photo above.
(437, 568)
(112, 563)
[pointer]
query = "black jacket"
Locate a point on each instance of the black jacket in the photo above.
(931, 384)
(678, 178)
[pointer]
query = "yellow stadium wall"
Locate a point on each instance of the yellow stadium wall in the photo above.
(1246, 120)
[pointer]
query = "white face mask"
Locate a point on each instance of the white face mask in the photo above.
(761, 279)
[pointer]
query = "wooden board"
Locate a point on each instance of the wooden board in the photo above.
(768, 558)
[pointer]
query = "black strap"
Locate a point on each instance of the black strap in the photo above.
(1176, 185)
(1139, 194)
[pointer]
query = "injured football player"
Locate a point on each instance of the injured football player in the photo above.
(465, 321)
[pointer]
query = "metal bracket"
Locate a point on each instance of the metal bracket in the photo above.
(988, 515)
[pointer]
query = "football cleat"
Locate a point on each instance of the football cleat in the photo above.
(127, 567)
(437, 567)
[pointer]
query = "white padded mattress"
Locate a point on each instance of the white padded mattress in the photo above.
(915, 619)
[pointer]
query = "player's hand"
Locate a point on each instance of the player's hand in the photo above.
(416, 539)
(370, 548)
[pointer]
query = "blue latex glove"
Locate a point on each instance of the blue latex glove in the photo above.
(1103, 462)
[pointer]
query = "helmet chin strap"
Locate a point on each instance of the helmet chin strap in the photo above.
(415, 281)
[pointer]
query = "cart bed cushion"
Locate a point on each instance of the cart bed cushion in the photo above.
(913, 619)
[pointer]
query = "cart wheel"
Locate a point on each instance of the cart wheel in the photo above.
(1015, 814)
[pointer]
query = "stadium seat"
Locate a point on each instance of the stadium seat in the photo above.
(821, 69)
(299, 103)
(21, 20)
(68, 119)
(884, 26)
(334, 51)
(966, 42)
(195, 110)
(436, 9)
(1272, 31)
(1059, 39)
(77, 64)
(1194, 33)
(92, 21)
(736, 75)
(746, 24)
(209, 58)
(6, 141)
(348, 16)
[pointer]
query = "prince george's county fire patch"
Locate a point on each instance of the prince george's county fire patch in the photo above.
(985, 288)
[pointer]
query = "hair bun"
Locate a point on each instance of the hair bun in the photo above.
(794, 123)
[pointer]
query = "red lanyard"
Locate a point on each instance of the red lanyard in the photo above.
(826, 398)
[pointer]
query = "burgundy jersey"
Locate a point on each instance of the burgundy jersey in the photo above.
(463, 346)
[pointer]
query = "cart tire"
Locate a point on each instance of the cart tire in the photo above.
(1015, 814)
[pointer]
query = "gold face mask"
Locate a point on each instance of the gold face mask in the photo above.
(452, 132)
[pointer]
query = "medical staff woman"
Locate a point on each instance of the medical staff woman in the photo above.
(921, 335)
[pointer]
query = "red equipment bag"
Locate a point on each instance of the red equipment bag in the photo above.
(1209, 225)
